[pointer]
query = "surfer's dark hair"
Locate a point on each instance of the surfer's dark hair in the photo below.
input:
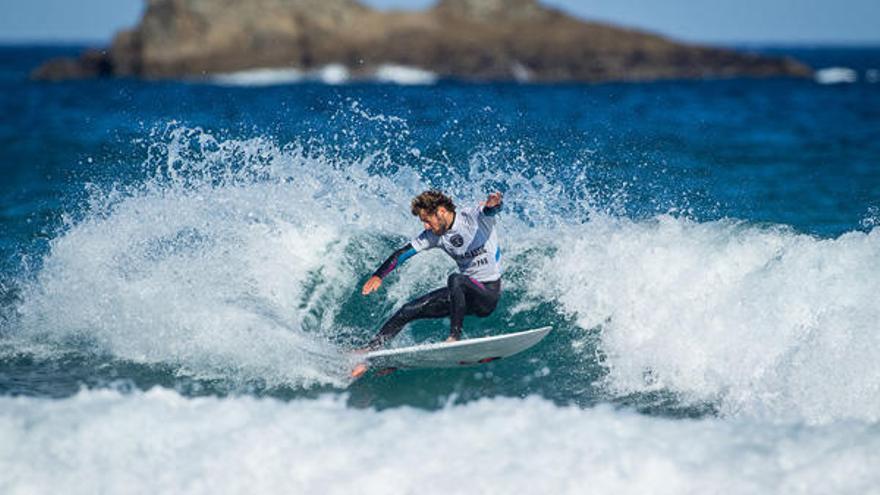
(429, 201)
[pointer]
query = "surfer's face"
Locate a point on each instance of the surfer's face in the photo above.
(436, 222)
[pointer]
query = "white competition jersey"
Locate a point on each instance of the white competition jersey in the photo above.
(471, 241)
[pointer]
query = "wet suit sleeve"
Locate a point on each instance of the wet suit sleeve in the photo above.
(396, 259)
(425, 240)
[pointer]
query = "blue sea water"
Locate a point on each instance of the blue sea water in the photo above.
(180, 265)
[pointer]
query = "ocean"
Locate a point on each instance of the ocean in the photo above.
(181, 263)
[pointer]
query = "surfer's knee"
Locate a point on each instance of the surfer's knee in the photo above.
(414, 309)
(407, 311)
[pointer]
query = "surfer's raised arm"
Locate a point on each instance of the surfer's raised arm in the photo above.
(493, 204)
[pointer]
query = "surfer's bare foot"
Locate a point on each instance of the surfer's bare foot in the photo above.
(451, 339)
(359, 370)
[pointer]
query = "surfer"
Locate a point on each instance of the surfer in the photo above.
(468, 236)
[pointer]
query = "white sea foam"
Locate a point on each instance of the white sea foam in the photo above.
(232, 261)
(330, 74)
(218, 271)
(333, 74)
(259, 77)
(769, 322)
(836, 75)
(236, 258)
(400, 74)
(160, 442)
(521, 73)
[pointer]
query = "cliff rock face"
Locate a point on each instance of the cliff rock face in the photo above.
(493, 10)
(464, 39)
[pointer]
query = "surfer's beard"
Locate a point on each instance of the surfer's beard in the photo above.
(444, 225)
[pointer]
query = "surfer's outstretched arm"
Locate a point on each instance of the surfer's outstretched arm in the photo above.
(396, 259)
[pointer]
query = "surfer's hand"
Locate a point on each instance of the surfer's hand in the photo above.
(494, 200)
(371, 285)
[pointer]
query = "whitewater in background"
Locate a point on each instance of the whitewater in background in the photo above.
(329, 74)
(181, 320)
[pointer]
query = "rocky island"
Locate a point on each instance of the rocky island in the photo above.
(478, 40)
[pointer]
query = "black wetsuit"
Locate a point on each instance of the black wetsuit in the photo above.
(461, 296)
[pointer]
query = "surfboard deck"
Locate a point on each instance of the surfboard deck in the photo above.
(469, 352)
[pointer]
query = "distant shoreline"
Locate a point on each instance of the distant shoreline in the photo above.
(833, 64)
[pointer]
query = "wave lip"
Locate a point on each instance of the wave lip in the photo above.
(220, 267)
(99, 441)
(766, 322)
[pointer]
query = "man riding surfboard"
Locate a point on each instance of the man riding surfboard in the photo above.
(468, 236)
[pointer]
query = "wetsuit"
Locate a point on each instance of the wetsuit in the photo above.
(472, 242)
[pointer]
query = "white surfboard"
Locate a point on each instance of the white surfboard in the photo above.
(470, 352)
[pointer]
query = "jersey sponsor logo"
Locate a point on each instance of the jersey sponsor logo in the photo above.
(473, 253)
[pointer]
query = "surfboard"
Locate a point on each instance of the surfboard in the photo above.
(469, 352)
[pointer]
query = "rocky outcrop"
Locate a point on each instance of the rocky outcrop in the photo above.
(463, 39)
